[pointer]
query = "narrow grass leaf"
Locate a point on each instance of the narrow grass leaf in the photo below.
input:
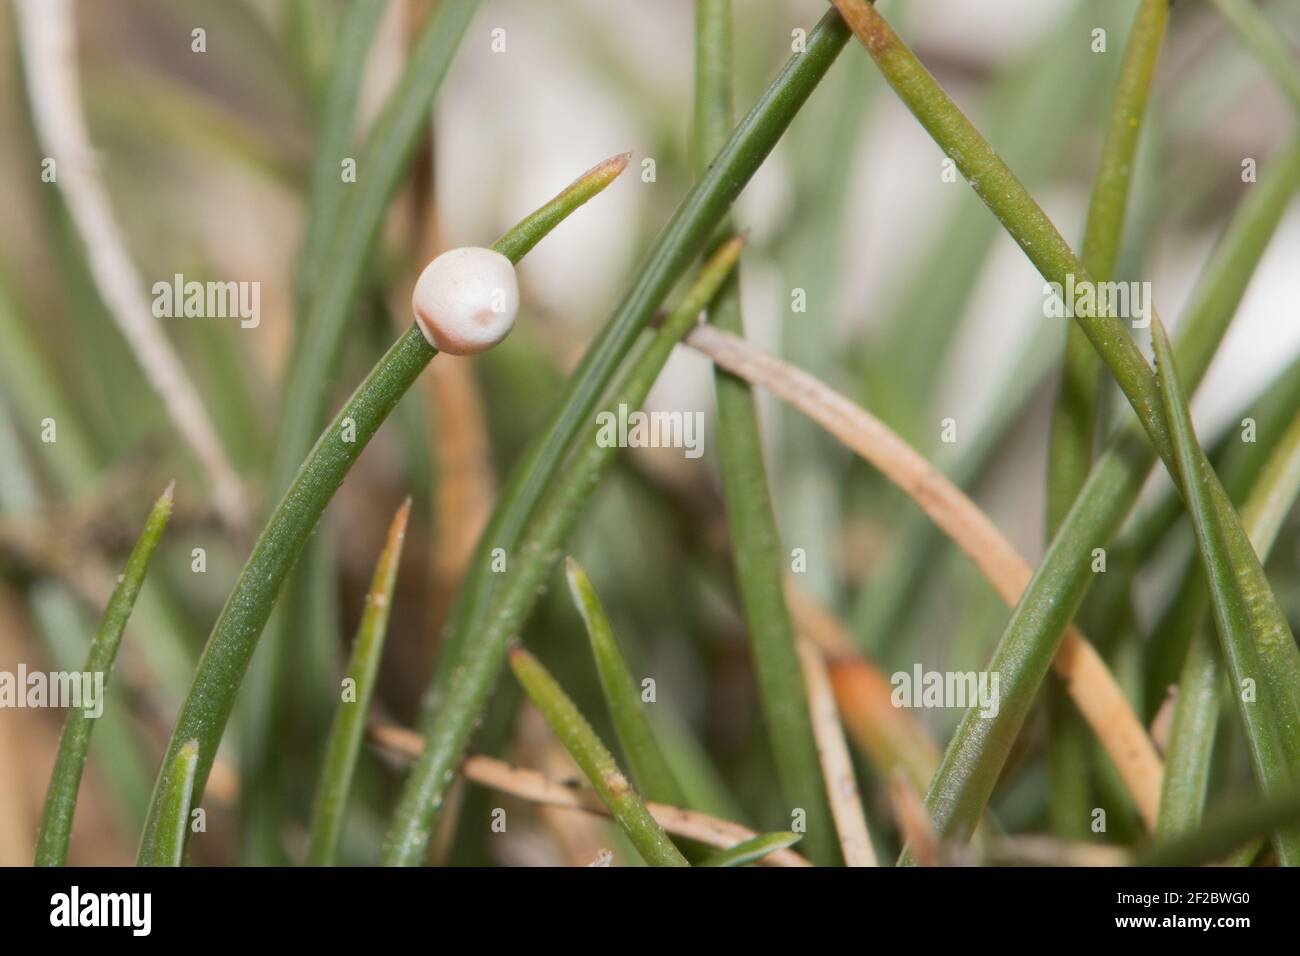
(328, 191)
(176, 800)
(1074, 420)
(653, 776)
(596, 762)
(1239, 465)
(755, 540)
(1248, 618)
(1191, 736)
(1196, 711)
(350, 720)
(65, 781)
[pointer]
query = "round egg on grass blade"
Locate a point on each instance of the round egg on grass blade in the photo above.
(465, 301)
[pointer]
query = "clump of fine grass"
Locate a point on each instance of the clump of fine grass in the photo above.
(728, 707)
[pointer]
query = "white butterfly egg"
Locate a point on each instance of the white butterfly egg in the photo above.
(466, 300)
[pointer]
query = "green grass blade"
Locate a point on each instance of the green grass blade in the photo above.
(176, 800)
(1199, 688)
(65, 781)
(752, 850)
(680, 243)
(649, 768)
(1274, 493)
(1238, 464)
(308, 32)
(350, 720)
(1074, 421)
(527, 570)
(596, 762)
(1256, 640)
(225, 660)
(1191, 737)
(1075, 418)
(328, 192)
(755, 540)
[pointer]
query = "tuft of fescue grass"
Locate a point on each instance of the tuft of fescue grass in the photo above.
(766, 599)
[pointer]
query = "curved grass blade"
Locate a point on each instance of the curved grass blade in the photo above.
(1258, 647)
(596, 762)
(65, 781)
(1238, 464)
(528, 568)
(176, 800)
(1196, 712)
(678, 245)
(751, 851)
(350, 720)
(653, 776)
(755, 539)
(234, 636)
(1191, 737)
